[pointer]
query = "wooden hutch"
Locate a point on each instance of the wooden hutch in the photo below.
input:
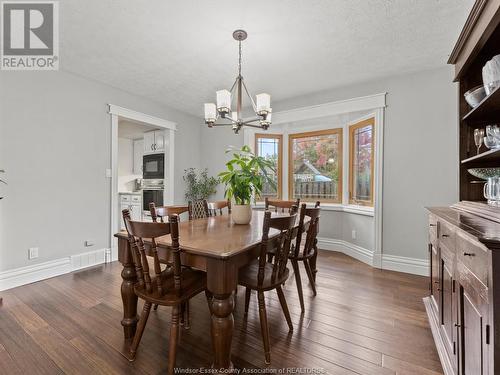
(464, 239)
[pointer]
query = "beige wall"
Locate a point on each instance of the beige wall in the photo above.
(55, 145)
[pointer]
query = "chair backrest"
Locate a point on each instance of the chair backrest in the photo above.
(165, 211)
(137, 232)
(312, 231)
(198, 209)
(213, 207)
(284, 206)
(285, 224)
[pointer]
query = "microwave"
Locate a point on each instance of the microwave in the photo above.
(153, 166)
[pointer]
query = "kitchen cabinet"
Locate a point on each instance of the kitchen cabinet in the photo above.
(472, 325)
(138, 156)
(464, 298)
(154, 142)
(435, 280)
(132, 202)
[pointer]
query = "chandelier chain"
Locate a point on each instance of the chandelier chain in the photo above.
(239, 60)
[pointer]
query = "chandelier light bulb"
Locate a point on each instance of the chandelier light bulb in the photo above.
(223, 101)
(210, 113)
(263, 103)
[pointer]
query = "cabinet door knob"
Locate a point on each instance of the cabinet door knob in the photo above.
(445, 235)
(457, 325)
(469, 254)
(432, 225)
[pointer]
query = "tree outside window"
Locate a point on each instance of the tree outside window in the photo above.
(361, 142)
(316, 166)
(270, 146)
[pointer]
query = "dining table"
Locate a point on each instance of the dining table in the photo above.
(215, 245)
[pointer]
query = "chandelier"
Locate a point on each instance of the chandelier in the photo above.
(222, 110)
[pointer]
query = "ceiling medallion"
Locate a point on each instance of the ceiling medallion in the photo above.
(222, 110)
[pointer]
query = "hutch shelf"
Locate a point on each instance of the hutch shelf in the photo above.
(463, 305)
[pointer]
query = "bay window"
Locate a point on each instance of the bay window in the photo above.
(315, 166)
(270, 146)
(361, 142)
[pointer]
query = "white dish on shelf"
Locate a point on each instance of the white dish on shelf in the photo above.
(490, 87)
(474, 96)
(491, 72)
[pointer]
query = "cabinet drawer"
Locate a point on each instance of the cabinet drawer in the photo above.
(125, 198)
(135, 198)
(447, 235)
(433, 230)
(474, 256)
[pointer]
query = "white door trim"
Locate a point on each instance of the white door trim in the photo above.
(116, 113)
(141, 117)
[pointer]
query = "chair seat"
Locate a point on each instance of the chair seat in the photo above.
(248, 276)
(192, 281)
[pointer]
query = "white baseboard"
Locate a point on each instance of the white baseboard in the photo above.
(41, 271)
(389, 262)
(355, 251)
(404, 264)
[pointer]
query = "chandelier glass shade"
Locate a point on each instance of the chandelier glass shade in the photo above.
(222, 113)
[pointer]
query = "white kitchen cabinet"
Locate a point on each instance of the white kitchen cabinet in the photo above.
(138, 154)
(132, 202)
(159, 141)
(154, 142)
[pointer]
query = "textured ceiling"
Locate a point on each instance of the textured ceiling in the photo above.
(180, 52)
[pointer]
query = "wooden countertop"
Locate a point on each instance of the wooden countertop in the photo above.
(484, 230)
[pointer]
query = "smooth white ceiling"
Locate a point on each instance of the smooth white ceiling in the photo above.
(180, 52)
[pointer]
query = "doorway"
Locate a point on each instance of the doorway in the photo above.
(133, 135)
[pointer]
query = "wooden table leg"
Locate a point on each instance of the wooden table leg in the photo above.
(222, 330)
(222, 279)
(129, 298)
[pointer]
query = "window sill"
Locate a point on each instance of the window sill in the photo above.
(349, 208)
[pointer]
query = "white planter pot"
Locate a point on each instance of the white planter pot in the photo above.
(241, 214)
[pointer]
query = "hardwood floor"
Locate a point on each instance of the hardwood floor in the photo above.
(363, 321)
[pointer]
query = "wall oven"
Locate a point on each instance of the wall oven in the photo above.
(152, 192)
(153, 166)
(152, 196)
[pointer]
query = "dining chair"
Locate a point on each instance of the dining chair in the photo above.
(198, 209)
(305, 252)
(165, 211)
(285, 206)
(263, 276)
(172, 288)
(213, 207)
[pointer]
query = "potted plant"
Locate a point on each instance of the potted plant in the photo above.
(199, 185)
(246, 174)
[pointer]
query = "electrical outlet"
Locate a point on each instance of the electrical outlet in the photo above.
(108, 173)
(353, 234)
(88, 243)
(33, 253)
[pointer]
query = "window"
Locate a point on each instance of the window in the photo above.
(361, 138)
(315, 166)
(270, 146)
